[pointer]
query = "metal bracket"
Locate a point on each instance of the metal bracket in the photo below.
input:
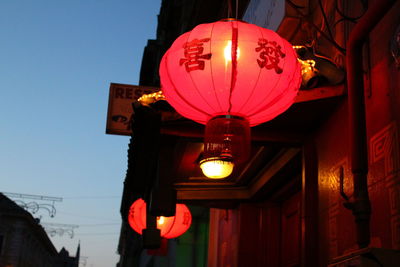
(347, 204)
(35, 205)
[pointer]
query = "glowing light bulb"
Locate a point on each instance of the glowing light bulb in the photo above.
(216, 168)
(228, 52)
(160, 220)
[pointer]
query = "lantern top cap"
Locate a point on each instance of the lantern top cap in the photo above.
(231, 19)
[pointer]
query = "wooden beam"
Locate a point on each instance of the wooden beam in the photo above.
(213, 193)
(257, 134)
(320, 93)
(273, 168)
(203, 182)
(250, 163)
(268, 134)
(200, 191)
(309, 204)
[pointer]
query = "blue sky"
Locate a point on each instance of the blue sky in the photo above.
(57, 59)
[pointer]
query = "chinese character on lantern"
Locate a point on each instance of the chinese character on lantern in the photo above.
(270, 55)
(193, 52)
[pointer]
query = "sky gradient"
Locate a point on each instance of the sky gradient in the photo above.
(57, 59)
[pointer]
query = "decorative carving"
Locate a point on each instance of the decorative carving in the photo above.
(332, 228)
(394, 198)
(396, 232)
(384, 145)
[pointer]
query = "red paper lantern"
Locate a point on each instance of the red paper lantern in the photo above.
(231, 71)
(170, 227)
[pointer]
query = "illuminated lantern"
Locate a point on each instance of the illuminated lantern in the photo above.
(170, 227)
(230, 75)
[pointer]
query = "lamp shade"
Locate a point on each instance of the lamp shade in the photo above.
(230, 68)
(170, 227)
(217, 167)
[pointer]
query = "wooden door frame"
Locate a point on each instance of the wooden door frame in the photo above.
(309, 206)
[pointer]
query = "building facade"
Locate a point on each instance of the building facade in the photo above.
(322, 187)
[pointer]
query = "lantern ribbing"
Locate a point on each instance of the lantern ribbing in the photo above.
(170, 227)
(258, 82)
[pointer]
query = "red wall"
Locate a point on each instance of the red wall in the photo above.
(337, 232)
(242, 238)
(256, 234)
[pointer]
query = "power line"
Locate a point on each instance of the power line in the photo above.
(99, 224)
(36, 197)
(78, 234)
(92, 197)
(88, 217)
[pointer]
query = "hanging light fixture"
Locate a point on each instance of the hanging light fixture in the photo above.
(217, 168)
(170, 227)
(229, 75)
(217, 162)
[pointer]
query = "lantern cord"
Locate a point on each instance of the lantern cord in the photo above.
(229, 8)
(237, 8)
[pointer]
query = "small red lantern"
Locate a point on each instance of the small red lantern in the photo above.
(232, 72)
(170, 227)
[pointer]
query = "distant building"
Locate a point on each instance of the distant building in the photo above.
(65, 260)
(24, 243)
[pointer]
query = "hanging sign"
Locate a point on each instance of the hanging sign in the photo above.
(120, 112)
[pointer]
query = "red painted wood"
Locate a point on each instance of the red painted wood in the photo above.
(270, 234)
(249, 235)
(290, 232)
(270, 249)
